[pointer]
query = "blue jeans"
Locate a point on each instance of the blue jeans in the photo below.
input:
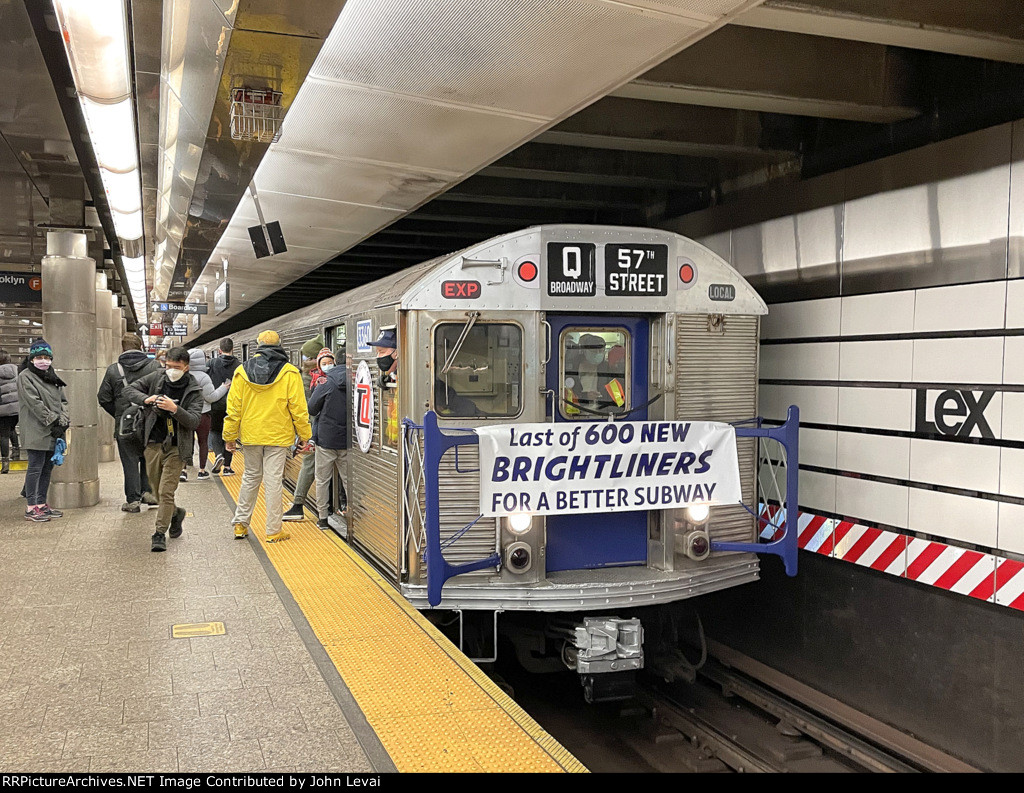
(37, 477)
(134, 466)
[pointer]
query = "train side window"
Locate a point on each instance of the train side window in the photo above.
(594, 367)
(484, 376)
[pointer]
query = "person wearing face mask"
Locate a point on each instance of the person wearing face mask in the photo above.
(175, 400)
(44, 417)
(329, 407)
(312, 376)
(387, 362)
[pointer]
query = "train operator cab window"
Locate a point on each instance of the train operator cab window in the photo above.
(594, 372)
(477, 370)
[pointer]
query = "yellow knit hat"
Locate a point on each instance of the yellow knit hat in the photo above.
(270, 337)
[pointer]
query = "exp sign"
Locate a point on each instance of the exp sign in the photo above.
(606, 467)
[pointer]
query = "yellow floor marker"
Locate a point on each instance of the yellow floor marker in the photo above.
(192, 629)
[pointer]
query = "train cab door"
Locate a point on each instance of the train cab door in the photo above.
(598, 365)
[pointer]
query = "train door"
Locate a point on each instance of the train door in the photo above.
(598, 365)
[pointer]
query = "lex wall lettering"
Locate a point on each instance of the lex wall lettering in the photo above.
(953, 413)
(606, 467)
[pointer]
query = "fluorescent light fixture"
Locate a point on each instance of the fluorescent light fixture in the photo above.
(112, 129)
(124, 192)
(127, 224)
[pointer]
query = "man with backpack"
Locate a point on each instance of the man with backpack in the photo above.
(132, 364)
(174, 404)
(220, 369)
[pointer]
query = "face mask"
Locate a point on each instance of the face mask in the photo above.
(174, 375)
(326, 367)
(594, 356)
(41, 363)
(385, 362)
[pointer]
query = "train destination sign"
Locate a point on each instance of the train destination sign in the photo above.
(635, 270)
(546, 469)
(571, 270)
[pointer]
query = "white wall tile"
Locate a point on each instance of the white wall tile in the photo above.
(951, 464)
(1011, 528)
(958, 360)
(817, 403)
(1013, 369)
(961, 307)
(817, 491)
(886, 224)
(881, 408)
(871, 502)
(818, 447)
(890, 361)
(954, 517)
(879, 455)
(811, 361)
(888, 312)
(1011, 472)
(1015, 303)
(1012, 416)
(804, 318)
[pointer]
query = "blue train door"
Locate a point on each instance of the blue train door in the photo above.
(598, 365)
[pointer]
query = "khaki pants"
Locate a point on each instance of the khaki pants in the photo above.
(163, 470)
(262, 464)
(327, 462)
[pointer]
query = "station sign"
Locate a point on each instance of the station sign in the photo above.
(20, 288)
(195, 323)
(180, 308)
(175, 330)
(155, 330)
(221, 297)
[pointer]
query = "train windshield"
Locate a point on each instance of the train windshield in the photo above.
(485, 377)
(595, 372)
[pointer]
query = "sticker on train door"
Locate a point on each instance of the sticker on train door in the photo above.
(362, 406)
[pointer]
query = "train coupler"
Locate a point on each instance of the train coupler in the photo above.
(607, 653)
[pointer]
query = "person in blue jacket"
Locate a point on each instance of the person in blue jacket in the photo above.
(329, 408)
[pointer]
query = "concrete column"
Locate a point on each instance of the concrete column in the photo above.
(104, 321)
(69, 324)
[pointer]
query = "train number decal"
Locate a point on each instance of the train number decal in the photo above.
(363, 406)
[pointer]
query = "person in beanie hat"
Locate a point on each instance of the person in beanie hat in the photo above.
(44, 417)
(266, 411)
(311, 376)
(318, 375)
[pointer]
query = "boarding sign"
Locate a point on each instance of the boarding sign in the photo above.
(560, 469)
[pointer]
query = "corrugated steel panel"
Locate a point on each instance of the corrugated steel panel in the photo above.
(716, 380)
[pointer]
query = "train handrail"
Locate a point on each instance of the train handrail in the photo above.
(788, 435)
(439, 570)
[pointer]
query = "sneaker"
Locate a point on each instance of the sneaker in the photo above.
(149, 499)
(241, 531)
(184, 476)
(278, 536)
(36, 515)
(202, 476)
(131, 506)
(51, 512)
(177, 519)
(226, 471)
(322, 524)
(159, 542)
(218, 463)
(5, 466)
(294, 512)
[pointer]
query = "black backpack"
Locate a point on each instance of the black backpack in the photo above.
(132, 429)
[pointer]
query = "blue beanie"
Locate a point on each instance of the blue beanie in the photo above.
(40, 347)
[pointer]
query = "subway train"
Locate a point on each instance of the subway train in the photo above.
(560, 331)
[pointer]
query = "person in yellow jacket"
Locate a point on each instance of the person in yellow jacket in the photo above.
(266, 412)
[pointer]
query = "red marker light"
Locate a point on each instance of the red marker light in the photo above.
(686, 273)
(527, 271)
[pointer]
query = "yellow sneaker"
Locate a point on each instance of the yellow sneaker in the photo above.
(278, 537)
(241, 531)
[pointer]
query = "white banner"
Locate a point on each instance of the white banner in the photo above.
(557, 469)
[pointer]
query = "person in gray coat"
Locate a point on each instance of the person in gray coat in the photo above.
(43, 416)
(8, 411)
(132, 364)
(211, 393)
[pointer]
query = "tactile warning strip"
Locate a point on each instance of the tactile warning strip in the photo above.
(431, 707)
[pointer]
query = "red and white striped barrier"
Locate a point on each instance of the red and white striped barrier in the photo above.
(978, 575)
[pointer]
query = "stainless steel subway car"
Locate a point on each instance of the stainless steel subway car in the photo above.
(562, 324)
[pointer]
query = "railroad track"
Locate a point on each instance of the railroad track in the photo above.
(741, 716)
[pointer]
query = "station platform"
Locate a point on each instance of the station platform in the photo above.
(321, 666)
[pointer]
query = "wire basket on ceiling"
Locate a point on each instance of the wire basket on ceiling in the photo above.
(256, 114)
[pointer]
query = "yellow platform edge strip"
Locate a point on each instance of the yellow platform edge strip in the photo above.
(411, 740)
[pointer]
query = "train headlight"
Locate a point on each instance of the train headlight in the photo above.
(698, 513)
(520, 522)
